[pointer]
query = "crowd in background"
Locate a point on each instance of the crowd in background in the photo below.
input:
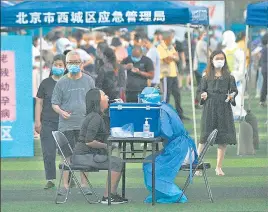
(111, 52)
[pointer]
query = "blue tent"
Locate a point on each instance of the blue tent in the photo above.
(257, 14)
(7, 3)
(100, 13)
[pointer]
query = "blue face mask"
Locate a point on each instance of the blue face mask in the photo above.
(205, 39)
(135, 59)
(57, 71)
(73, 69)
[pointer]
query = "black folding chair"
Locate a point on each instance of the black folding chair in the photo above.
(62, 141)
(200, 166)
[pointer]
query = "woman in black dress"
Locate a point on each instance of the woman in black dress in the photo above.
(218, 91)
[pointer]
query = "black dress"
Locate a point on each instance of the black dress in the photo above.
(217, 114)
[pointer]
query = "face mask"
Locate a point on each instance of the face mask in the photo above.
(57, 71)
(74, 45)
(262, 33)
(73, 69)
(135, 59)
(83, 42)
(205, 39)
(144, 50)
(92, 42)
(195, 35)
(218, 63)
(132, 42)
(37, 64)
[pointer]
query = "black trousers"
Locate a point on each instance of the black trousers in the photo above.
(173, 88)
(198, 78)
(49, 148)
(264, 87)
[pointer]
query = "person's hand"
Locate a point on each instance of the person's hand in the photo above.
(135, 70)
(65, 114)
(129, 66)
(183, 65)
(204, 95)
(37, 127)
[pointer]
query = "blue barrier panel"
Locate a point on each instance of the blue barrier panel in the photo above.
(16, 97)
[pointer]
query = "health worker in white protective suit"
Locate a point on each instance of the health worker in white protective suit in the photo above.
(235, 60)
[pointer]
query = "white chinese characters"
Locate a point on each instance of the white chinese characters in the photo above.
(49, 17)
(6, 133)
(117, 17)
(91, 17)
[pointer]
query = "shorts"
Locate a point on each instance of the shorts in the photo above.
(101, 163)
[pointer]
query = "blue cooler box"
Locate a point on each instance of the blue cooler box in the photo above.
(135, 113)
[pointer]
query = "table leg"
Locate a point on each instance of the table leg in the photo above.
(124, 171)
(153, 173)
(109, 172)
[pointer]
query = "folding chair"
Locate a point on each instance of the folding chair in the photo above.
(62, 141)
(202, 166)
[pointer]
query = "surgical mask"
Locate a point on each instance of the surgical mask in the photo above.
(125, 44)
(144, 50)
(218, 63)
(37, 64)
(132, 42)
(262, 33)
(57, 71)
(195, 35)
(205, 39)
(73, 69)
(135, 59)
(74, 45)
(83, 43)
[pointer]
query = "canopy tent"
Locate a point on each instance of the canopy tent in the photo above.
(257, 14)
(109, 13)
(7, 3)
(100, 13)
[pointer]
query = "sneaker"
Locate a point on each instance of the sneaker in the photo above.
(86, 190)
(63, 191)
(49, 185)
(124, 199)
(263, 104)
(115, 200)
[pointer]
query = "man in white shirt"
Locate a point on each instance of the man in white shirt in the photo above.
(153, 54)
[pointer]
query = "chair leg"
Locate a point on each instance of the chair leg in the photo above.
(80, 187)
(187, 183)
(207, 184)
(92, 189)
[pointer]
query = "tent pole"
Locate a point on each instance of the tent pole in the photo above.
(248, 44)
(192, 79)
(41, 53)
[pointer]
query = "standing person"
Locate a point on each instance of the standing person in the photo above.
(200, 61)
(181, 63)
(169, 57)
(139, 69)
(264, 62)
(217, 113)
(68, 100)
(47, 120)
(153, 54)
(111, 76)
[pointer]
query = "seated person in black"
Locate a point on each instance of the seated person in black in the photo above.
(91, 150)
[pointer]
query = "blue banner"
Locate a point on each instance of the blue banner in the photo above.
(99, 13)
(16, 97)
